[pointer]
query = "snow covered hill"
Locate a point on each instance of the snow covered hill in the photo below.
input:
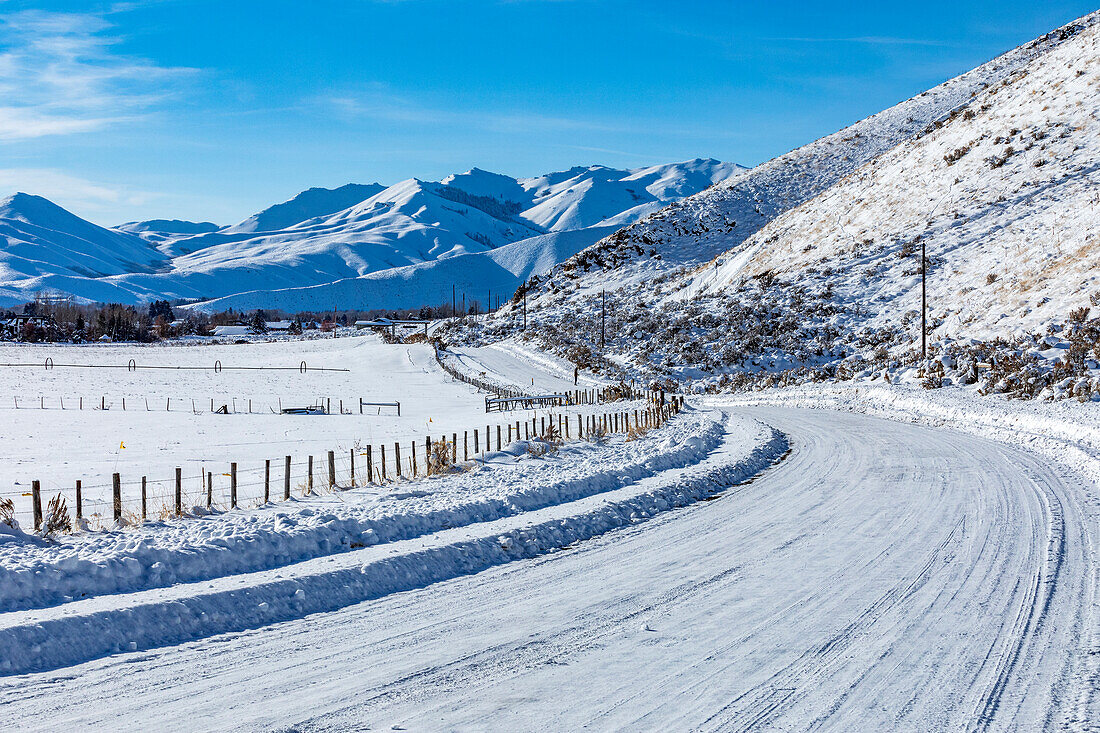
(307, 205)
(996, 173)
(41, 242)
(718, 220)
(166, 232)
(1003, 194)
(368, 246)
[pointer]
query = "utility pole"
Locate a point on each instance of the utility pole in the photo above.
(603, 319)
(923, 302)
(524, 305)
(453, 302)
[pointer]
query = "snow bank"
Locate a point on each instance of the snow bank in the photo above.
(1067, 433)
(731, 450)
(504, 484)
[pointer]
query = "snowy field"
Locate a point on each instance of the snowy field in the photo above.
(60, 446)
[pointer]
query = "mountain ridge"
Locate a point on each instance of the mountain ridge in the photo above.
(322, 236)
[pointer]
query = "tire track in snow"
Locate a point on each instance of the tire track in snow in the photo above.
(847, 626)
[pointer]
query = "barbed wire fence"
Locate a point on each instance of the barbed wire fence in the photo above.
(220, 487)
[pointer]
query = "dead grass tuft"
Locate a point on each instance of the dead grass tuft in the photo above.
(57, 518)
(7, 512)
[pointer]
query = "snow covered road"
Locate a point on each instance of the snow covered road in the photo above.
(884, 576)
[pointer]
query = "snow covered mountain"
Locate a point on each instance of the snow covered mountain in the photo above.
(165, 232)
(809, 265)
(307, 205)
(42, 243)
(391, 237)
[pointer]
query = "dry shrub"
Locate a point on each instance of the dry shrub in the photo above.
(553, 434)
(539, 449)
(7, 512)
(441, 458)
(636, 432)
(599, 435)
(57, 518)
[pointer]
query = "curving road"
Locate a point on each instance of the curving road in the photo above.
(884, 576)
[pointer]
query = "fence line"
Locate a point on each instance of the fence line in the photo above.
(225, 404)
(140, 499)
(217, 367)
(482, 384)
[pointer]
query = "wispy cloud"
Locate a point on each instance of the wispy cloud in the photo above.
(867, 40)
(83, 196)
(60, 73)
(378, 102)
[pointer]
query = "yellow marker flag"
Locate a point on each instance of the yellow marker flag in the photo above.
(121, 445)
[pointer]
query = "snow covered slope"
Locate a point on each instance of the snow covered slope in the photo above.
(394, 234)
(40, 240)
(307, 205)
(718, 220)
(1003, 194)
(166, 232)
(495, 273)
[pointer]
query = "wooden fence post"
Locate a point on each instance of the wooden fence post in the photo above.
(397, 457)
(79, 501)
(412, 449)
(465, 445)
(209, 489)
(383, 449)
(233, 485)
(370, 465)
(116, 486)
(309, 480)
(428, 456)
(352, 457)
(509, 432)
(286, 478)
(454, 447)
(144, 508)
(498, 437)
(488, 440)
(267, 481)
(36, 501)
(331, 470)
(476, 446)
(179, 491)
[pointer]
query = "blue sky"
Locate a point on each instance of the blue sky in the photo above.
(210, 110)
